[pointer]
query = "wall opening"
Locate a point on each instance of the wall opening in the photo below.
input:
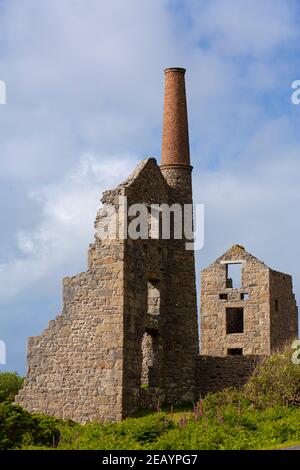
(234, 352)
(234, 320)
(234, 275)
(161, 258)
(276, 305)
(153, 302)
(245, 296)
(223, 296)
(149, 359)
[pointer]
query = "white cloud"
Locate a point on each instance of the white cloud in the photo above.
(58, 244)
(242, 27)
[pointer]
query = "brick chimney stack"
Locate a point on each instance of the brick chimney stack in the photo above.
(175, 140)
(175, 161)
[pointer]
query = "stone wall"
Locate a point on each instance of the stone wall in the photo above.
(173, 329)
(75, 368)
(181, 329)
(145, 262)
(255, 338)
(217, 373)
(283, 310)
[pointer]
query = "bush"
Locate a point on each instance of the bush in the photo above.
(275, 382)
(45, 430)
(18, 427)
(229, 398)
(148, 429)
(10, 384)
(14, 423)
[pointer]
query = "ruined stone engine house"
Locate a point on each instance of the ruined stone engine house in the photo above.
(127, 336)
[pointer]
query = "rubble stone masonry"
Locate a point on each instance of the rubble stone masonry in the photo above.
(262, 309)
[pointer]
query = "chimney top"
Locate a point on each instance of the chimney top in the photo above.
(175, 69)
(175, 140)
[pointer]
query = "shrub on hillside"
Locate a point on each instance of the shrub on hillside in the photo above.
(44, 431)
(228, 398)
(132, 433)
(18, 426)
(14, 424)
(275, 381)
(10, 384)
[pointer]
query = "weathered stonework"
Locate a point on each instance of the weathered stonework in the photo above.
(265, 300)
(217, 373)
(75, 368)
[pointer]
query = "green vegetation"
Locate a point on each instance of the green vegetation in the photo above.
(276, 381)
(18, 427)
(234, 425)
(145, 386)
(265, 414)
(10, 384)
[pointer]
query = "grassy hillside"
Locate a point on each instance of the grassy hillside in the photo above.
(265, 414)
(229, 428)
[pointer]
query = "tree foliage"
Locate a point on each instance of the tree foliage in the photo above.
(10, 384)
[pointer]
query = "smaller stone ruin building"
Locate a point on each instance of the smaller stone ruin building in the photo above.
(247, 311)
(246, 307)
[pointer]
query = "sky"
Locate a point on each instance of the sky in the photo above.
(84, 104)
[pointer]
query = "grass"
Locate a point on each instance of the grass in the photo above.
(264, 414)
(235, 426)
(283, 446)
